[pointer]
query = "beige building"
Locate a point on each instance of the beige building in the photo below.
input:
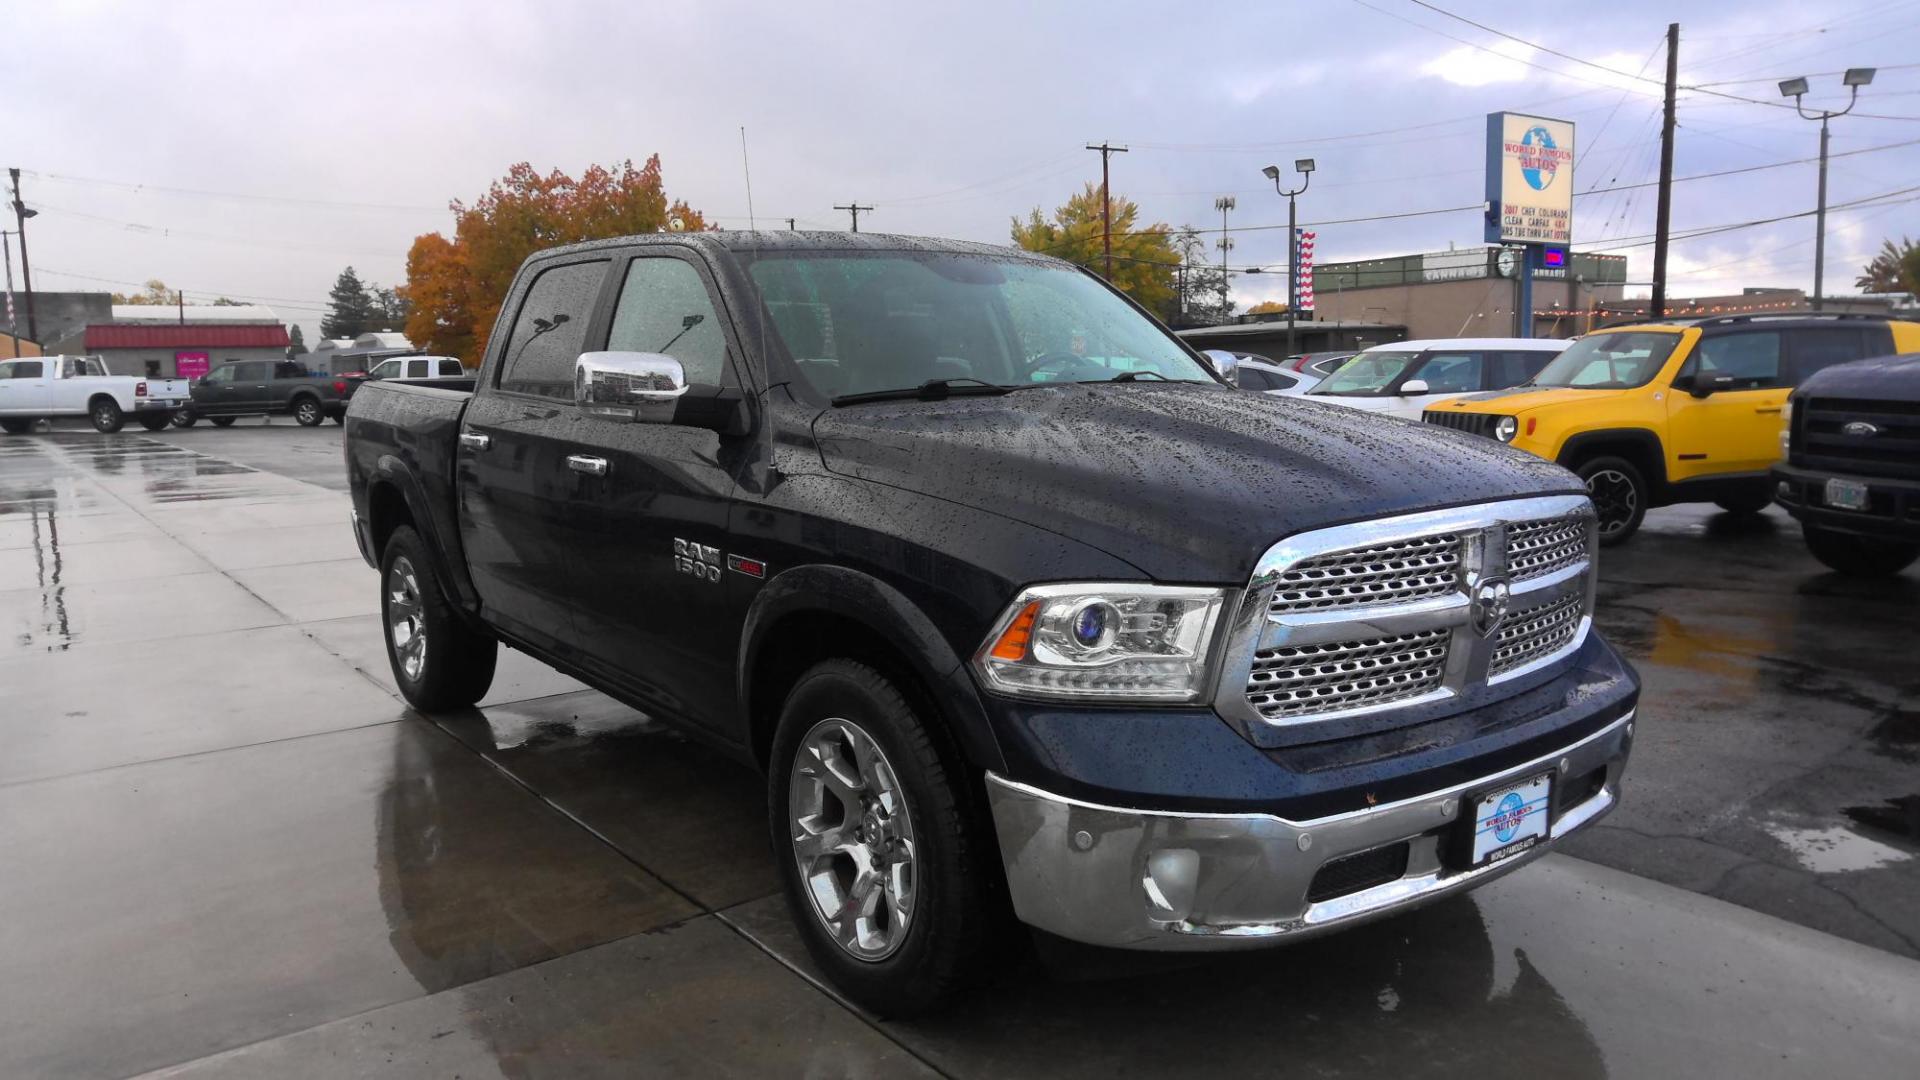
(1467, 293)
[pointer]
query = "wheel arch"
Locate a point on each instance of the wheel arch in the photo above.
(395, 497)
(1640, 446)
(813, 613)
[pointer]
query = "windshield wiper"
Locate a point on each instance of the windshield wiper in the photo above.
(931, 390)
(1129, 376)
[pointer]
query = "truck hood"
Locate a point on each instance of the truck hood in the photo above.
(1884, 378)
(1523, 398)
(1189, 483)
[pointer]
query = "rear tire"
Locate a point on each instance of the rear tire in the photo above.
(106, 415)
(306, 412)
(221, 421)
(185, 418)
(1619, 494)
(439, 661)
(340, 418)
(17, 427)
(156, 423)
(1859, 556)
(916, 923)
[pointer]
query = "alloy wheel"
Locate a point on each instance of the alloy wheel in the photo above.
(406, 622)
(1614, 499)
(852, 839)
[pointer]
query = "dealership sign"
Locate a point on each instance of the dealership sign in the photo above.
(1529, 179)
(190, 364)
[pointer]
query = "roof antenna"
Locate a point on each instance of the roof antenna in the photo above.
(748, 173)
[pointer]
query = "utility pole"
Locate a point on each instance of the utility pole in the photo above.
(13, 325)
(851, 208)
(20, 216)
(1106, 205)
(1664, 213)
(791, 227)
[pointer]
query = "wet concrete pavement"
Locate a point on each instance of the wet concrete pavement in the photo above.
(227, 849)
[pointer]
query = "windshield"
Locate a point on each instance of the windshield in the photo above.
(864, 322)
(1609, 361)
(1367, 374)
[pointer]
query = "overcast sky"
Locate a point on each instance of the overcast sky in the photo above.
(253, 149)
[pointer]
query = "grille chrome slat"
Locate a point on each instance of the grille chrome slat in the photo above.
(1389, 615)
(1297, 679)
(1383, 574)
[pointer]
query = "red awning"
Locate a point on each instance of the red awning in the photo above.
(188, 336)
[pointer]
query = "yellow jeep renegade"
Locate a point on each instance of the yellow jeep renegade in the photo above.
(1685, 411)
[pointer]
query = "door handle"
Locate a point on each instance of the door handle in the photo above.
(583, 463)
(474, 440)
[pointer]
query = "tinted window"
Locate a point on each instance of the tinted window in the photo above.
(289, 370)
(1815, 348)
(1253, 379)
(539, 354)
(1451, 373)
(24, 369)
(451, 368)
(663, 308)
(1751, 360)
(417, 369)
(1514, 368)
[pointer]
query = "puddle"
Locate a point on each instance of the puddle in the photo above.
(1836, 849)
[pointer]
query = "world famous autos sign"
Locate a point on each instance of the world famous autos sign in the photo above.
(1529, 179)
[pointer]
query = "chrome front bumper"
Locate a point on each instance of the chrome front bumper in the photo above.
(1144, 879)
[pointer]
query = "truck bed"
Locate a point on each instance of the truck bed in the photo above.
(409, 431)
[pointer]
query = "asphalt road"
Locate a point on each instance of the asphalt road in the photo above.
(226, 848)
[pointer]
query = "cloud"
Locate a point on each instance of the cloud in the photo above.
(1500, 62)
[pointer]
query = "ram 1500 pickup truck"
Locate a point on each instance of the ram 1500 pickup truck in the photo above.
(1852, 468)
(41, 387)
(1018, 607)
(268, 388)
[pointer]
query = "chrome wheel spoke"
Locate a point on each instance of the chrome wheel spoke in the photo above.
(852, 836)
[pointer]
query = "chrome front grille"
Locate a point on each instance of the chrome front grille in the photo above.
(1396, 573)
(1296, 680)
(1538, 548)
(1391, 614)
(1535, 632)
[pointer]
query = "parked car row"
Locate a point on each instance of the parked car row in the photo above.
(36, 388)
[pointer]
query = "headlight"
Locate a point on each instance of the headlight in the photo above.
(1506, 428)
(1786, 411)
(1119, 642)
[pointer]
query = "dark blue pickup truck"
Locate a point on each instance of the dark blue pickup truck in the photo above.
(1019, 608)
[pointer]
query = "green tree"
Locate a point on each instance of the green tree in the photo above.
(390, 309)
(352, 310)
(1144, 262)
(1202, 286)
(299, 341)
(1895, 269)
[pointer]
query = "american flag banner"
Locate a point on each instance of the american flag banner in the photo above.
(1303, 288)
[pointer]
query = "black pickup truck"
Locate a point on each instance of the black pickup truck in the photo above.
(1852, 468)
(267, 388)
(1018, 607)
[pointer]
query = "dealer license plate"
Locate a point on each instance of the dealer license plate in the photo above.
(1846, 494)
(1512, 819)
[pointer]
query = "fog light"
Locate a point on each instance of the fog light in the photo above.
(1783, 489)
(1173, 876)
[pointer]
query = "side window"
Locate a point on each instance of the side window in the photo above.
(73, 367)
(1820, 347)
(664, 308)
(1519, 366)
(252, 373)
(1751, 360)
(1251, 379)
(451, 369)
(1451, 373)
(417, 369)
(219, 375)
(386, 369)
(22, 369)
(539, 353)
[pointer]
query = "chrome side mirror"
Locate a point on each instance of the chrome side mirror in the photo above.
(1413, 388)
(633, 386)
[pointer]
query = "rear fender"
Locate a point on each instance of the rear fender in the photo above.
(392, 472)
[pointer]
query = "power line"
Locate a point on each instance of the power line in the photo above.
(1644, 239)
(1751, 168)
(243, 196)
(854, 209)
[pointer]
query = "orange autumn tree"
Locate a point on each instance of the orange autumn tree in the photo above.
(457, 286)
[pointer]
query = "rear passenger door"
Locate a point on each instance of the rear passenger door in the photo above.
(23, 387)
(515, 486)
(655, 621)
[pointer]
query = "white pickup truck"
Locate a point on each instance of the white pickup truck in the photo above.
(34, 388)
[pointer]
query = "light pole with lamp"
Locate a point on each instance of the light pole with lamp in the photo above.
(1304, 166)
(1796, 89)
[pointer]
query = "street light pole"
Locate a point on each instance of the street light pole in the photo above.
(1304, 166)
(20, 216)
(1796, 89)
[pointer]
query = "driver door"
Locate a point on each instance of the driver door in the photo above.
(1735, 429)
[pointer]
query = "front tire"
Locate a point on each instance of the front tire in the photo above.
(1859, 556)
(1619, 494)
(106, 416)
(306, 412)
(16, 426)
(439, 661)
(886, 875)
(185, 418)
(155, 423)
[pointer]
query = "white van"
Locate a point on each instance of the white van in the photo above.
(1406, 378)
